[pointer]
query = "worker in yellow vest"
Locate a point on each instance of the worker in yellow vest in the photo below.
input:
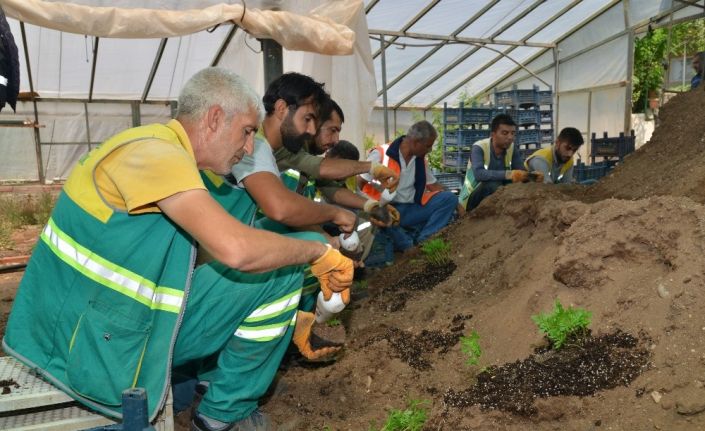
(494, 162)
(556, 162)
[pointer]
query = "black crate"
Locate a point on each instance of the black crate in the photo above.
(452, 115)
(616, 147)
(456, 159)
(476, 115)
(530, 136)
(451, 181)
(546, 115)
(545, 97)
(591, 173)
(516, 97)
(546, 136)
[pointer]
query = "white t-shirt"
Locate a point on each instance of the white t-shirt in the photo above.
(405, 190)
(261, 160)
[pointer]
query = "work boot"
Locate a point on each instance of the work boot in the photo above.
(256, 421)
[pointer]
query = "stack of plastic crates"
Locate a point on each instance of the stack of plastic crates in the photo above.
(463, 127)
(532, 110)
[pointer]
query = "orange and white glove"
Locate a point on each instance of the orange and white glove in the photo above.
(334, 272)
(536, 176)
(302, 338)
(387, 177)
(517, 176)
(393, 214)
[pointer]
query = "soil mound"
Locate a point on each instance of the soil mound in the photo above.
(629, 249)
(671, 163)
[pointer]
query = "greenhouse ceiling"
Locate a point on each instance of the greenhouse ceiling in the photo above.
(441, 49)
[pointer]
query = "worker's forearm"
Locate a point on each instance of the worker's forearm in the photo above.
(338, 169)
(274, 251)
(347, 198)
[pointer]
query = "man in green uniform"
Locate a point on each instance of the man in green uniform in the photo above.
(110, 299)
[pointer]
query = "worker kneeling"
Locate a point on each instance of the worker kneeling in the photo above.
(556, 162)
(493, 163)
(111, 299)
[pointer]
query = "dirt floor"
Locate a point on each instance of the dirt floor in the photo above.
(629, 249)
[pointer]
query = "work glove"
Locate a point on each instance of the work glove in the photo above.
(334, 272)
(303, 335)
(393, 214)
(387, 177)
(536, 176)
(518, 176)
(379, 216)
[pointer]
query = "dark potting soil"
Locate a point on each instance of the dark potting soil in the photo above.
(413, 349)
(598, 363)
(394, 297)
(7, 386)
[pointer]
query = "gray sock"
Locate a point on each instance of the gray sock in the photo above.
(212, 423)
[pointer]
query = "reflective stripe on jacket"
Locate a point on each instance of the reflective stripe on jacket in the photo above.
(470, 182)
(390, 158)
(99, 308)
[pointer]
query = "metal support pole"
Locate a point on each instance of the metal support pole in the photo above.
(88, 125)
(630, 84)
(37, 138)
(273, 62)
(136, 114)
(556, 87)
(384, 87)
(174, 105)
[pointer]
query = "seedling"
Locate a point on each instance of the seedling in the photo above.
(334, 322)
(471, 347)
(436, 251)
(412, 418)
(562, 323)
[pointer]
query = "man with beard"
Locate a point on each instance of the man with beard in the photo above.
(255, 182)
(556, 162)
(494, 162)
(299, 150)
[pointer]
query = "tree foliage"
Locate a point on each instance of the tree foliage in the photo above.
(652, 52)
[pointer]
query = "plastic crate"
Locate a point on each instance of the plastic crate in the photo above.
(451, 181)
(545, 97)
(593, 172)
(611, 147)
(470, 136)
(476, 115)
(546, 116)
(546, 136)
(516, 97)
(530, 136)
(451, 138)
(452, 115)
(456, 159)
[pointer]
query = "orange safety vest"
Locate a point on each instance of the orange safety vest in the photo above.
(390, 158)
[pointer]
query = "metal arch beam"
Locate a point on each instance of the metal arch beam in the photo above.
(691, 3)
(470, 40)
(95, 61)
(370, 5)
(462, 58)
(37, 136)
(224, 45)
(426, 56)
(548, 21)
(410, 24)
(153, 72)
